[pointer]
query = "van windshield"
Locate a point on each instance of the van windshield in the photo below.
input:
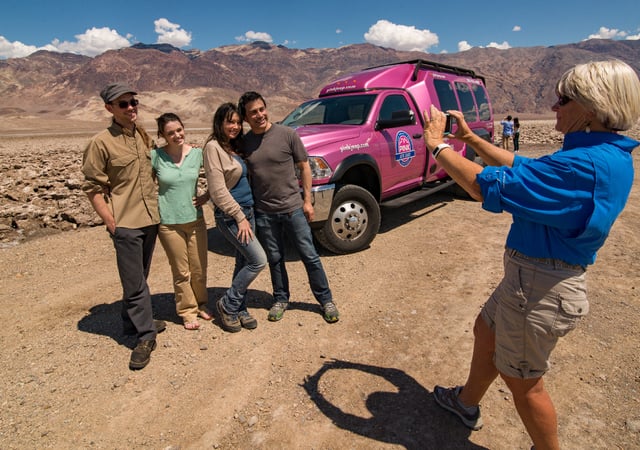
(344, 110)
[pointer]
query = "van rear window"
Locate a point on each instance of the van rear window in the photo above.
(482, 101)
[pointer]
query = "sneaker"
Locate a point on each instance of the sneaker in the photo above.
(331, 313)
(247, 321)
(447, 398)
(130, 330)
(277, 311)
(228, 322)
(141, 355)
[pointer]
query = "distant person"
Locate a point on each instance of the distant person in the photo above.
(231, 193)
(516, 135)
(273, 153)
(120, 186)
(507, 131)
(183, 231)
(563, 206)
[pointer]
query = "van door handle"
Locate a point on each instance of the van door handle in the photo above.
(417, 136)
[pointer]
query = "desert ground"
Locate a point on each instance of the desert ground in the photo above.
(407, 309)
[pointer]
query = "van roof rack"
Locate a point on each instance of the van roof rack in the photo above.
(424, 64)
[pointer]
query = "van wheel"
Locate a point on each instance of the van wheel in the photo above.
(354, 220)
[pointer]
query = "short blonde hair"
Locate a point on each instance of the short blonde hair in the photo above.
(611, 89)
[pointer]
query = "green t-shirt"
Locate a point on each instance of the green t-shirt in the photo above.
(177, 186)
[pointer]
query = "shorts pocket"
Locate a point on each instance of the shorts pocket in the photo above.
(570, 311)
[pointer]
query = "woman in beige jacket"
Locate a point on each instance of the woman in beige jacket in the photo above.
(231, 194)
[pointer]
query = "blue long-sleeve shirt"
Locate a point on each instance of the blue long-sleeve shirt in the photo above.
(564, 204)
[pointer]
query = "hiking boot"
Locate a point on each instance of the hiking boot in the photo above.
(247, 321)
(228, 322)
(141, 355)
(331, 313)
(130, 330)
(277, 311)
(447, 398)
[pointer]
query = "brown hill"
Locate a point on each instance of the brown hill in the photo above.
(48, 85)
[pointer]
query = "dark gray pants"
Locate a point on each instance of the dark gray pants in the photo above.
(134, 249)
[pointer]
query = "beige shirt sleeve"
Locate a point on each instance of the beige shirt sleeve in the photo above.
(223, 173)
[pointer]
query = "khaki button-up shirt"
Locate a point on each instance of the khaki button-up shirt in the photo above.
(119, 163)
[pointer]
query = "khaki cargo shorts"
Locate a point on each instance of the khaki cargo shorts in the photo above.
(536, 303)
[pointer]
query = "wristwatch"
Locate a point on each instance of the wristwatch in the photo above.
(436, 151)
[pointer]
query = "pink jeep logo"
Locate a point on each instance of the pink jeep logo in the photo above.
(404, 148)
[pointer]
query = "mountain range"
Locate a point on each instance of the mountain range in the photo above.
(192, 83)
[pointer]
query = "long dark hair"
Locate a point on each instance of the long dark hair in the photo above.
(224, 112)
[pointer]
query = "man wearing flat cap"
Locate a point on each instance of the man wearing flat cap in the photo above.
(120, 186)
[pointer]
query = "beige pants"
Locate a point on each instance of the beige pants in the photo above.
(186, 249)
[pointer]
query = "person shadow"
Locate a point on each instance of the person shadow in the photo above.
(408, 417)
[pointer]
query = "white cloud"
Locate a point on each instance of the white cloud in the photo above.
(15, 49)
(633, 37)
(400, 37)
(607, 33)
(504, 46)
(93, 42)
(251, 36)
(338, 31)
(464, 46)
(171, 33)
(517, 28)
(90, 43)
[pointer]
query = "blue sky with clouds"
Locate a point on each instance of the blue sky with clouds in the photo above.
(90, 28)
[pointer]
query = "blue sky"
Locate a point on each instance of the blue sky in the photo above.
(90, 28)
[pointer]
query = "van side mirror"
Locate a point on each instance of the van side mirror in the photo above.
(398, 119)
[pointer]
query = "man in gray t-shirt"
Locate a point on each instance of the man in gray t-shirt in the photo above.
(272, 153)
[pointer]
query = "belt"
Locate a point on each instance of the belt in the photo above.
(553, 262)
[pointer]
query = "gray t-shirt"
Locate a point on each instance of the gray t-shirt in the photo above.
(271, 158)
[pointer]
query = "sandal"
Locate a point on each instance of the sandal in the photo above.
(204, 315)
(191, 325)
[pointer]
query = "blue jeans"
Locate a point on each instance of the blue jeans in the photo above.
(250, 260)
(272, 229)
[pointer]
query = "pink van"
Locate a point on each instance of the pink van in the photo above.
(364, 138)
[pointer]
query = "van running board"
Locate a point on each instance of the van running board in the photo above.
(416, 195)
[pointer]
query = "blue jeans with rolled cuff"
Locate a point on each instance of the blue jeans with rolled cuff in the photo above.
(250, 260)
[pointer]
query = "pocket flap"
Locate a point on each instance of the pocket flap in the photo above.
(578, 306)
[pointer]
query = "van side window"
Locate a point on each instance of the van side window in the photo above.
(482, 101)
(445, 94)
(466, 102)
(392, 104)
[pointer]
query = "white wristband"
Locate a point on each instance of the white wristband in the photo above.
(439, 148)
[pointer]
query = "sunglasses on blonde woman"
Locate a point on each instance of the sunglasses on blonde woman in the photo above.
(123, 104)
(563, 100)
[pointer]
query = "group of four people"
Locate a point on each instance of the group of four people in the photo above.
(122, 168)
(563, 206)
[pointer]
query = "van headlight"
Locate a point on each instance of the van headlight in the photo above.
(319, 168)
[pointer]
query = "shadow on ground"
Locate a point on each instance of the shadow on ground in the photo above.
(408, 417)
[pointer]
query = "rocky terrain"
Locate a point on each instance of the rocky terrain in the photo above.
(40, 190)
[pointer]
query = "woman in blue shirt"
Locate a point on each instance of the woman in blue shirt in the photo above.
(182, 231)
(563, 206)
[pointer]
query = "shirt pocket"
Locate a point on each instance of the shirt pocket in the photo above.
(123, 161)
(570, 311)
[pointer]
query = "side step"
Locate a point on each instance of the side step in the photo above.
(416, 195)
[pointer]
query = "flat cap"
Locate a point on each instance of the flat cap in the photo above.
(115, 90)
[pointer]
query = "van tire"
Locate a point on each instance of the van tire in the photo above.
(353, 222)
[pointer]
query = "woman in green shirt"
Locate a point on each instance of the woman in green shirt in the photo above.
(182, 231)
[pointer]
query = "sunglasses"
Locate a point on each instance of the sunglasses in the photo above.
(563, 100)
(123, 104)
